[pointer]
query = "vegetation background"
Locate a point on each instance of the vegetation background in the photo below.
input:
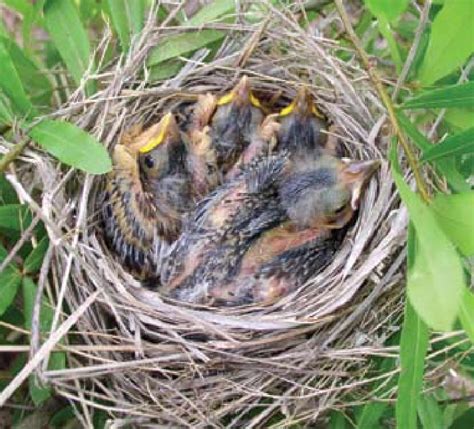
(419, 55)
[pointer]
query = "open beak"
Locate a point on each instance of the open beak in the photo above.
(241, 95)
(358, 173)
(302, 105)
(165, 130)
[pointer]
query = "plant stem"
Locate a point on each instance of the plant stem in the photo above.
(377, 82)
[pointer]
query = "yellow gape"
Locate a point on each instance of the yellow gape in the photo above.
(228, 98)
(158, 140)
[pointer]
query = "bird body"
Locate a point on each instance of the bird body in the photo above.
(245, 244)
(147, 194)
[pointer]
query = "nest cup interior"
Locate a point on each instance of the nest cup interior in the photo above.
(169, 360)
(319, 295)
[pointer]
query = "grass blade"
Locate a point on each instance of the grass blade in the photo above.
(181, 44)
(451, 41)
(72, 146)
(435, 278)
(462, 143)
(127, 17)
(461, 95)
(430, 413)
(36, 84)
(10, 279)
(11, 84)
(66, 30)
(466, 313)
(454, 215)
(445, 166)
(413, 347)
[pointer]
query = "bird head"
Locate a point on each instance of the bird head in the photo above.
(241, 95)
(238, 109)
(160, 148)
(301, 125)
(325, 191)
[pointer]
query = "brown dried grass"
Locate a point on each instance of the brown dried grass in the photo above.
(148, 360)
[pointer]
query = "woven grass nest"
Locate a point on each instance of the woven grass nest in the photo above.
(149, 360)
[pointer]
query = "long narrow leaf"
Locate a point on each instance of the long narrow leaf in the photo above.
(445, 166)
(413, 347)
(435, 280)
(459, 144)
(11, 85)
(454, 214)
(211, 12)
(10, 279)
(127, 17)
(466, 313)
(181, 44)
(451, 41)
(72, 146)
(36, 84)
(461, 95)
(430, 413)
(68, 34)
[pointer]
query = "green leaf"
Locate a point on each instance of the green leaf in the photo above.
(127, 17)
(184, 43)
(68, 34)
(72, 146)
(6, 114)
(461, 95)
(445, 166)
(7, 193)
(435, 280)
(454, 214)
(390, 10)
(460, 119)
(461, 143)
(337, 420)
(466, 313)
(46, 311)
(11, 85)
(36, 84)
(35, 258)
(464, 421)
(38, 393)
(430, 413)
(164, 70)
(413, 347)
(451, 42)
(16, 217)
(10, 279)
(387, 33)
(210, 12)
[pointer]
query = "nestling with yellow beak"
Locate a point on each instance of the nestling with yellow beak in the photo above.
(146, 196)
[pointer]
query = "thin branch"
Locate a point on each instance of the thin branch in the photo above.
(377, 82)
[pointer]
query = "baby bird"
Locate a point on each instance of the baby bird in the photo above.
(266, 232)
(146, 196)
(301, 126)
(235, 120)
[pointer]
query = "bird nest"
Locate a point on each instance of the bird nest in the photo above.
(147, 359)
